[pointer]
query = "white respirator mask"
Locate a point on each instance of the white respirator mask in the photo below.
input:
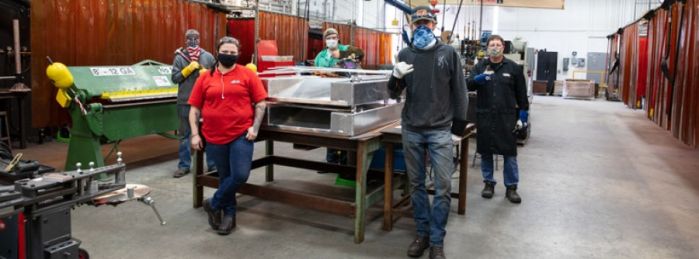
(331, 44)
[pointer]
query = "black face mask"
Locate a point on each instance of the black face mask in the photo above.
(227, 60)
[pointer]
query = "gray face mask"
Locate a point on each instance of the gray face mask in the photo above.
(494, 52)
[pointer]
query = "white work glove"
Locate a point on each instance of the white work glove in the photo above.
(455, 138)
(401, 69)
(518, 125)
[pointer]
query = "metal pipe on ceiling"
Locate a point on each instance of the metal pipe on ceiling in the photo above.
(480, 23)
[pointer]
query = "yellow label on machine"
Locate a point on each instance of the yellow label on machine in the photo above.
(144, 93)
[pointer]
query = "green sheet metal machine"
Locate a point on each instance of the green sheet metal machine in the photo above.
(108, 104)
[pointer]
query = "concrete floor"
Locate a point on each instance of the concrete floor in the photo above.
(598, 180)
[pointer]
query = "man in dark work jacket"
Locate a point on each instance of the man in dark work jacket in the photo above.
(501, 107)
(434, 111)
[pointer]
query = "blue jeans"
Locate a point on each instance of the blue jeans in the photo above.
(510, 170)
(234, 161)
(430, 221)
(184, 132)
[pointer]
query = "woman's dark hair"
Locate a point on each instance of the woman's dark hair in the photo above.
(224, 40)
(227, 39)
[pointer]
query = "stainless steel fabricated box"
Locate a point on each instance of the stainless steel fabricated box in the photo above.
(340, 106)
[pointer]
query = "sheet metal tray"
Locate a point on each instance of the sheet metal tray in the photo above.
(319, 119)
(339, 92)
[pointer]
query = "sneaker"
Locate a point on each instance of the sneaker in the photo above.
(418, 246)
(512, 195)
(227, 225)
(180, 172)
(488, 190)
(437, 252)
(214, 215)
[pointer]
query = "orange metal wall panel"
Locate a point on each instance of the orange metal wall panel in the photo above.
(672, 106)
(655, 48)
(109, 32)
(376, 44)
(290, 32)
(658, 29)
(633, 75)
(694, 84)
(628, 57)
(641, 72)
(680, 87)
(672, 89)
(688, 83)
(673, 39)
(386, 52)
(662, 82)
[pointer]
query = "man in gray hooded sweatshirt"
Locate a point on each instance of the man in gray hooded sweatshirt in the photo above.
(433, 115)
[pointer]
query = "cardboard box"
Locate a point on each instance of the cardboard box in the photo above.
(558, 87)
(579, 89)
(539, 87)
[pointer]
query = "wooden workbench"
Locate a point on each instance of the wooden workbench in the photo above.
(363, 146)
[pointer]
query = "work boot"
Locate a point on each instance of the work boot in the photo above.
(488, 190)
(418, 246)
(512, 195)
(214, 215)
(227, 225)
(180, 172)
(437, 252)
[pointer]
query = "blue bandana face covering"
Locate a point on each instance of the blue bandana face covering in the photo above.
(422, 37)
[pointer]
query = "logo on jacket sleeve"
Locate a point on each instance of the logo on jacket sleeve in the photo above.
(442, 62)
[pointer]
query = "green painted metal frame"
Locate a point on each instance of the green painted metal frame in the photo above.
(111, 123)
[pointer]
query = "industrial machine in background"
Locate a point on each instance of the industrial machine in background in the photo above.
(35, 205)
(108, 104)
(524, 57)
(517, 51)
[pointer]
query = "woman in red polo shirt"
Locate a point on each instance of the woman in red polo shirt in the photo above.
(230, 100)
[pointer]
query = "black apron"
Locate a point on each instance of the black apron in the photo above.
(496, 110)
